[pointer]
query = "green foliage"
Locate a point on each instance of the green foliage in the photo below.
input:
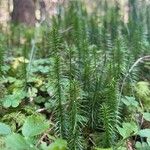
(130, 101)
(16, 142)
(128, 129)
(144, 133)
(146, 116)
(38, 124)
(34, 125)
(108, 124)
(4, 129)
(64, 81)
(142, 89)
(13, 100)
(142, 146)
(59, 144)
(143, 92)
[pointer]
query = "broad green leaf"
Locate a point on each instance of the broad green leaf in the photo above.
(59, 144)
(6, 103)
(34, 125)
(138, 144)
(43, 145)
(148, 141)
(130, 127)
(130, 101)
(146, 116)
(142, 146)
(16, 142)
(15, 103)
(122, 132)
(144, 133)
(122, 148)
(14, 99)
(127, 129)
(4, 129)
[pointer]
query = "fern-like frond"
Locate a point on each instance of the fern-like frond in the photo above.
(107, 118)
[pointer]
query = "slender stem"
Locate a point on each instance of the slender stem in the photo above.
(144, 58)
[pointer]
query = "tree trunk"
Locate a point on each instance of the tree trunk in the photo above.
(24, 12)
(42, 10)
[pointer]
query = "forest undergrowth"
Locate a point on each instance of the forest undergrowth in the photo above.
(80, 82)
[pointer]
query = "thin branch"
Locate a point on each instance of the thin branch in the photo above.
(144, 58)
(41, 139)
(66, 30)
